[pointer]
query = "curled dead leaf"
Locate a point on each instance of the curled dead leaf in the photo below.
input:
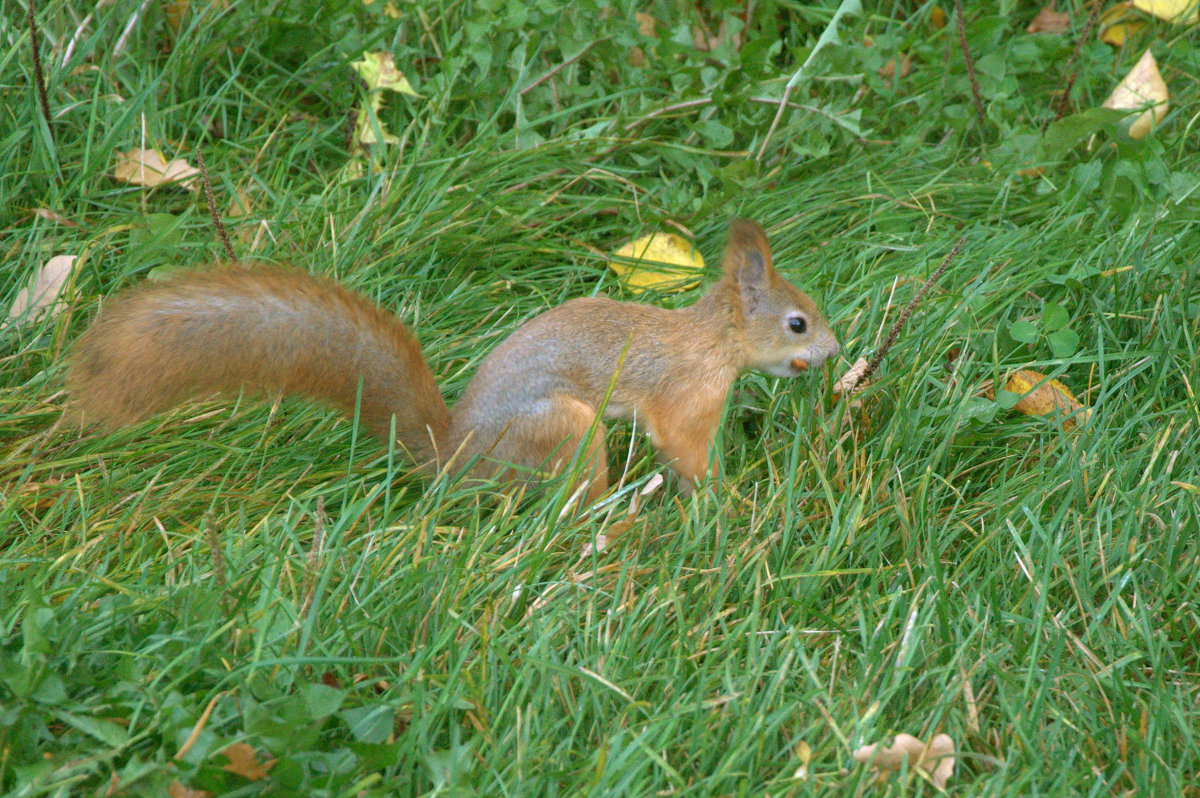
(1142, 89)
(935, 760)
(149, 168)
(664, 261)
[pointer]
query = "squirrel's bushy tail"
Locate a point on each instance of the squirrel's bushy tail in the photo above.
(260, 329)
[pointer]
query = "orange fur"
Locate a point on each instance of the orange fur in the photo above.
(527, 410)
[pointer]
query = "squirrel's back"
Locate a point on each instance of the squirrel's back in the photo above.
(262, 329)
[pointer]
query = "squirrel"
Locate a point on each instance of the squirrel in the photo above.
(530, 405)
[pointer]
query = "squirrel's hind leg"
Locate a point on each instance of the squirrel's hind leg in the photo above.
(544, 443)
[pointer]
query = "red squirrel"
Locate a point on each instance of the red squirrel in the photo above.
(527, 409)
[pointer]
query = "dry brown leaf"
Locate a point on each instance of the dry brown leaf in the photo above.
(1142, 89)
(41, 295)
(849, 380)
(149, 168)
(177, 789)
(51, 216)
(664, 261)
(889, 69)
(1050, 20)
(935, 760)
(618, 528)
(706, 41)
(937, 18)
(647, 24)
(648, 27)
(243, 761)
(175, 11)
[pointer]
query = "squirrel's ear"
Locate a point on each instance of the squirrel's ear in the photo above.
(747, 259)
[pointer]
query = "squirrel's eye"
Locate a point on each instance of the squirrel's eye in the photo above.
(797, 324)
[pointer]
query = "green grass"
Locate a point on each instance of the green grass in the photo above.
(930, 562)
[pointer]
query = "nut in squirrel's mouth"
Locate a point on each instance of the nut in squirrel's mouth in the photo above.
(799, 364)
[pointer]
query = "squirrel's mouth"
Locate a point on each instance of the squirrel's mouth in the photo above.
(799, 364)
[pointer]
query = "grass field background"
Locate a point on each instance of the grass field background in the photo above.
(248, 572)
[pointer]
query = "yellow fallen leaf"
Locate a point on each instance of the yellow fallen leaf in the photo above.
(1142, 89)
(1119, 32)
(937, 18)
(379, 72)
(41, 295)
(149, 168)
(1118, 23)
(1041, 396)
(664, 261)
(1181, 12)
(935, 760)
